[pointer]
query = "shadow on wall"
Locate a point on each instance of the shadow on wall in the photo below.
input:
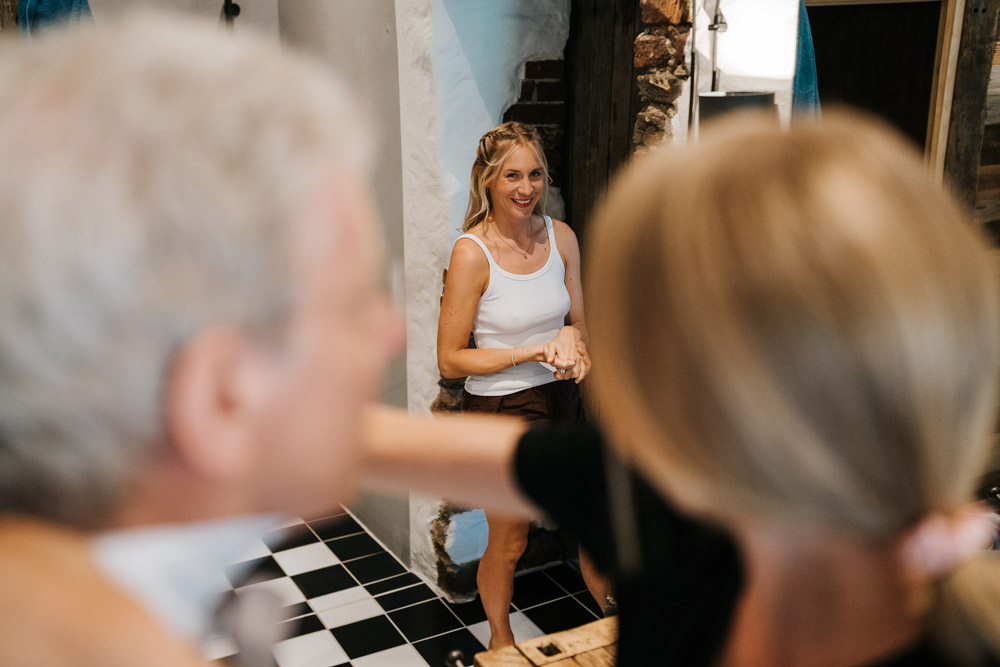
(478, 50)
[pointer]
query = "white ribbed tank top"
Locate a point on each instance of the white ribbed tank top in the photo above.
(518, 310)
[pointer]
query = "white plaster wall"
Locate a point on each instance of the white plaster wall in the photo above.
(757, 51)
(424, 202)
(425, 215)
(262, 15)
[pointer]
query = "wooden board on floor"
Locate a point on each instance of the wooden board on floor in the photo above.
(590, 645)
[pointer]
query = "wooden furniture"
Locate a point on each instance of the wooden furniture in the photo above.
(590, 645)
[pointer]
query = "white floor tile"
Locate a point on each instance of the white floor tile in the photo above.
(305, 559)
(258, 550)
(400, 656)
(283, 588)
(339, 599)
(522, 626)
(317, 649)
(219, 647)
(221, 584)
(349, 613)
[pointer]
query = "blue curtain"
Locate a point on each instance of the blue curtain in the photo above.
(805, 87)
(35, 15)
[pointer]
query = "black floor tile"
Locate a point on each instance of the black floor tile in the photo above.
(392, 583)
(373, 568)
(303, 626)
(405, 597)
(338, 526)
(368, 636)
(354, 546)
(535, 588)
(588, 601)
(436, 649)
(470, 612)
(296, 610)
(257, 569)
(425, 620)
(567, 577)
(290, 537)
(324, 580)
(559, 615)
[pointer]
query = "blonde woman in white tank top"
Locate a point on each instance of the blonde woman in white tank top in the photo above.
(513, 285)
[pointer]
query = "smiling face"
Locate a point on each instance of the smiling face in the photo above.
(519, 186)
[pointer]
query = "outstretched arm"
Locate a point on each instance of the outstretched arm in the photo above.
(467, 459)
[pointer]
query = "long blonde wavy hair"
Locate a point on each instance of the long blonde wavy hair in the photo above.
(494, 147)
(802, 326)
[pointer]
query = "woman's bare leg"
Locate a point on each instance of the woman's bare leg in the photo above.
(597, 584)
(507, 539)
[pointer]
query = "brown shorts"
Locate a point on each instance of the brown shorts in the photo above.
(558, 402)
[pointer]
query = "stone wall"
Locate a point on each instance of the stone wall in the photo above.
(661, 68)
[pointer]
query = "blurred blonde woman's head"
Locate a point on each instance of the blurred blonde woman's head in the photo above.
(494, 147)
(797, 326)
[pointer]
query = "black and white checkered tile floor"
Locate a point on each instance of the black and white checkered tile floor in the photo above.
(350, 602)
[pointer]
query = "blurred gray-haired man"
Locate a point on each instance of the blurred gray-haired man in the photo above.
(190, 309)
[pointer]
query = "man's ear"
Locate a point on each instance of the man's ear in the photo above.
(209, 404)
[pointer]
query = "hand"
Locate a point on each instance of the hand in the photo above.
(580, 370)
(561, 351)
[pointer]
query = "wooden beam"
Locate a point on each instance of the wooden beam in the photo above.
(589, 59)
(968, 104)
(601, 101)
(624, 90)
(946, 60)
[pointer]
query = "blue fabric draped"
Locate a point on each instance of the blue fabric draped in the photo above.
(36, 15)
(805, 86)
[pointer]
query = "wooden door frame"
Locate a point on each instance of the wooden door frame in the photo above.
(963, 76)
(962, 63)
(602, 101)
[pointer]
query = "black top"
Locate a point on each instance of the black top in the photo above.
(677, 600)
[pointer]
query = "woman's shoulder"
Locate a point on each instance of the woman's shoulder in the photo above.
(565, 236)
(468, 253)
(560, 227)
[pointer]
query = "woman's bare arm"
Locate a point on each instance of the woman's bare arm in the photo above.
(467, 459)
(466, 280)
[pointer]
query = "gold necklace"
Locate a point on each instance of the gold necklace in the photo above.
(518, 249)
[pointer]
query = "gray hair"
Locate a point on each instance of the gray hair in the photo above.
(151, 171)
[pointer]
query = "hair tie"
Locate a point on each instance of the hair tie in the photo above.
(940, 542)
